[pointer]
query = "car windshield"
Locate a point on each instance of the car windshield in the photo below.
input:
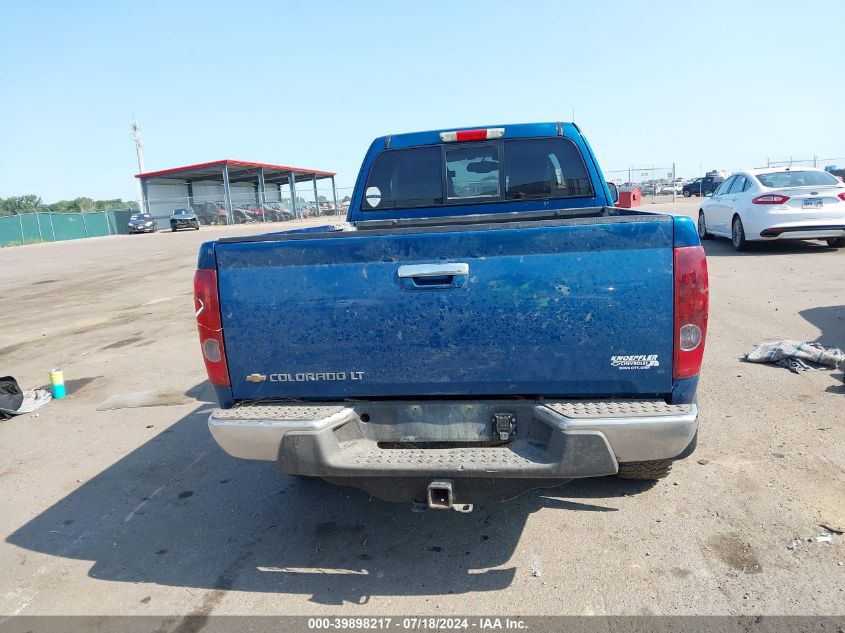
(139, 216)
(782, 179)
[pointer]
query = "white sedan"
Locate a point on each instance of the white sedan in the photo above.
(799, 203)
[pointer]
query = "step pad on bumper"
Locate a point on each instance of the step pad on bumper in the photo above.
(584, 409)
(581, 454)
(280, 412)
(449, 458)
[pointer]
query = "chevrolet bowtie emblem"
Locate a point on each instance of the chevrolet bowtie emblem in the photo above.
(256, 378)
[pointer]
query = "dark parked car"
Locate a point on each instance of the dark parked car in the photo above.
(702, 186)
(184, 219)
(141, 223)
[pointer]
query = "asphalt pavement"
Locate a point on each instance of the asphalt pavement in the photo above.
(137, 511)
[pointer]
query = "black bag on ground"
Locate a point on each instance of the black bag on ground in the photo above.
(11, 397)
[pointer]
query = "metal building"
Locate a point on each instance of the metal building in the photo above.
(233, 191)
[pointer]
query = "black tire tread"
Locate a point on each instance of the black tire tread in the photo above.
(744, 244)
(707, 235)
(651, 470)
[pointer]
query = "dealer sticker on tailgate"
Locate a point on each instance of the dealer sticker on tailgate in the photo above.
(636, 361)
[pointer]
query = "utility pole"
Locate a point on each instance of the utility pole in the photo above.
(139, 151)
(674, 176)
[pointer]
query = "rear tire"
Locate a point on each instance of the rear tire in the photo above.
(687, 194)
(652, 470)
(738, 234)
(702, 227)
(836, 242)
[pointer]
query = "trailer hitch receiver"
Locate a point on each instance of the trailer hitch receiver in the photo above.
(504, 425)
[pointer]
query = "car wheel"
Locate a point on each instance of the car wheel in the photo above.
(651, 470)
(738, 234)
(702, 227)
(197, 226)
(173, 228)
(687, 194)
(836, 242)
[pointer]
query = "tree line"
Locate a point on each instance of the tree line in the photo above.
(32, 203)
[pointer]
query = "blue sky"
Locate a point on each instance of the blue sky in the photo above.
(717, 84)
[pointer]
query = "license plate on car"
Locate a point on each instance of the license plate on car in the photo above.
(813, 203)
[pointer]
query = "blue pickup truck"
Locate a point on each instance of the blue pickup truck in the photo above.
(486, 322)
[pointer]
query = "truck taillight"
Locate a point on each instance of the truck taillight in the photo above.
(691, 300)
(210, 326)
(472, 135)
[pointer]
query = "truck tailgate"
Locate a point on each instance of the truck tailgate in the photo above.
(555, 308)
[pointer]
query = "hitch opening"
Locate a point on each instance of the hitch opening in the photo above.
(440, 495)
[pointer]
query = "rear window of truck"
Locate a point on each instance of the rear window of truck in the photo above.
(519, 169)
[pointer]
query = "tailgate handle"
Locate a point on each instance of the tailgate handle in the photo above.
(435, 275)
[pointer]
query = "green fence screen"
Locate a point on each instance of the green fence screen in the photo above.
(31, 228)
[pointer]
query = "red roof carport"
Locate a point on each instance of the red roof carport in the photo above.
(228, 172)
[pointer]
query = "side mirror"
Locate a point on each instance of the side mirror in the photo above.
(708, 194)
(614, 192)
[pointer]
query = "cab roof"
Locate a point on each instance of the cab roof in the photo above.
(512, 130)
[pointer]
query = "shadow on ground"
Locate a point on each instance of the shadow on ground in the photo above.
(830, 320)
(721, 247)
(178, 511)
(75, 385)
(203, 392)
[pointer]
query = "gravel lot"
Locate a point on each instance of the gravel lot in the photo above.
(137, 511)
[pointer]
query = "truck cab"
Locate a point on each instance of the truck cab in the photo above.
(485, 323)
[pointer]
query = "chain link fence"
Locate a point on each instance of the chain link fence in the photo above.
(656, 183)
(661, 184)
(830, 164)
(33, 228)
(246, 208)
(276, 205)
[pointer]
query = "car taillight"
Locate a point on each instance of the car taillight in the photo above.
(210, 326)
(691, 300)
(472, 135)
(841, 196)
(770, 198)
